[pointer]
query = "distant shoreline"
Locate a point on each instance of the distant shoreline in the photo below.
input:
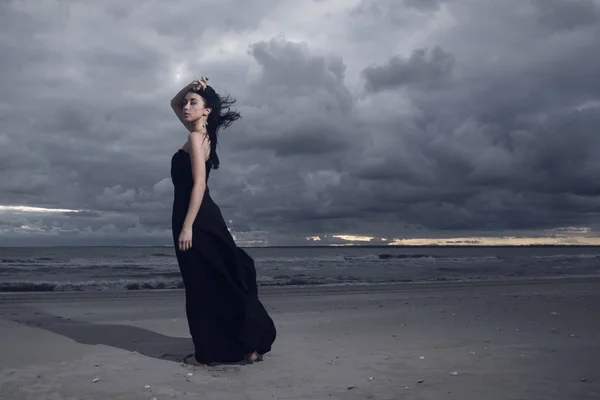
(331, 246)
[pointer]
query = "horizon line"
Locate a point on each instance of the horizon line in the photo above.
(329, 246)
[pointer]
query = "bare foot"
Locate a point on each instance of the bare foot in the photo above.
(254, 357)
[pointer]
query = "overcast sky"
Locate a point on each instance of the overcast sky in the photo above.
(389, 119)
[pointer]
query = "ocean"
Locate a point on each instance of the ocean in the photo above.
(144, 268)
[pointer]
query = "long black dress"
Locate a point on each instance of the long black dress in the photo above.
(225, 317)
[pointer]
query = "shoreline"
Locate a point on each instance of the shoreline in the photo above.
(297, 290)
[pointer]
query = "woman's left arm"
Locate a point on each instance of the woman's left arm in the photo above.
(199, 151)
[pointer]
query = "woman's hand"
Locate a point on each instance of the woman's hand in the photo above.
(185, 239)
(200, 83)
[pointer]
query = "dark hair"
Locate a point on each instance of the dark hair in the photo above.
(220, 116)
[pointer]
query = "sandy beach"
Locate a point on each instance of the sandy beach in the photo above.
(512, 340)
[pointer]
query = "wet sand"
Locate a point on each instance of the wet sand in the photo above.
(505, 340)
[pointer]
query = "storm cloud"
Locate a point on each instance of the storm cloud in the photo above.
(385, 119)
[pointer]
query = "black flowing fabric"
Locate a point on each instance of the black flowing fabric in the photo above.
(225, 317)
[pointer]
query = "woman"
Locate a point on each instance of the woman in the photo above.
(227, 321)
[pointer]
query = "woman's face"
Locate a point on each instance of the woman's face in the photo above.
(193, 107)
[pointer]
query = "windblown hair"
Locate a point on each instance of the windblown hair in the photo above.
(221, 116)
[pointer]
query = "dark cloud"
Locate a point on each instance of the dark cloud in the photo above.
(424, 5)
(567, 14)
(291, 70)
(320, 140)
(389, 119)
(424, 69)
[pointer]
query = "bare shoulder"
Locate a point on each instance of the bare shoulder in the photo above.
(199, 137)
(199, 143)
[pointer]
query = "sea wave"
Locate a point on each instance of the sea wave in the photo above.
(373, 257)
(265, 281)
(118, 285)
(141, 284)
(581, 256)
